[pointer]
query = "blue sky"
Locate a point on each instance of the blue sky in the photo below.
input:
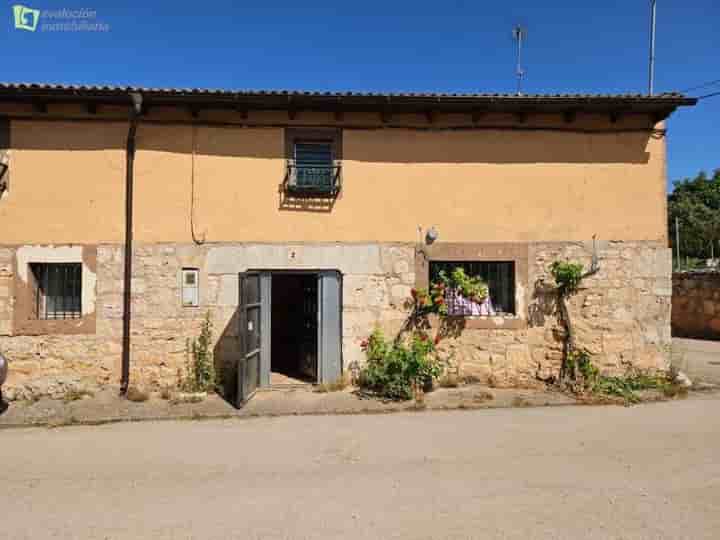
(454, 46)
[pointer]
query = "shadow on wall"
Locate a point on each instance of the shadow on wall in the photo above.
(225, 356)
(362, 145)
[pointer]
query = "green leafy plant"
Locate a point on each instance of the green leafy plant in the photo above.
(587, 379)
(576, 363)
(397, 369)
(199, 369)
(567, 275)
(472, 288)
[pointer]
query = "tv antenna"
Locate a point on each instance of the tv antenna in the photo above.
(519, 34)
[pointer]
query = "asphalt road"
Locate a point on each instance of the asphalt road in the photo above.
(651, 471)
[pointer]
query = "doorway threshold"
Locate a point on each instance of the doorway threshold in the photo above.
(285, 380)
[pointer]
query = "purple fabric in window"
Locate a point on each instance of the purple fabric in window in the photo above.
(458, 305)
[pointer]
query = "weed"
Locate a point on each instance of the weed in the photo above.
(674, 390)
(627, 387)
(199, 373)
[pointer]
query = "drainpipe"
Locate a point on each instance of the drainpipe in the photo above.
(127, 276)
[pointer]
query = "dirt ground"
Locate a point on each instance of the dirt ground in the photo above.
(107, 406)
(650, 471)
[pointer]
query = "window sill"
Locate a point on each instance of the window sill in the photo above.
(483, 322)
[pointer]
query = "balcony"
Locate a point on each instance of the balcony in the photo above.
(316, 181)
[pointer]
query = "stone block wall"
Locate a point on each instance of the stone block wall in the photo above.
(376, 282)
(696, 305)
(622, 314)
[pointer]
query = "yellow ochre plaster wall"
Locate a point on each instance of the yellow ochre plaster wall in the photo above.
(474, 185)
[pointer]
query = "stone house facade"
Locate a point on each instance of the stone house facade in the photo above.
(299, 221)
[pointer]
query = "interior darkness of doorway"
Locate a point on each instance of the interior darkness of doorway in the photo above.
(294, 329)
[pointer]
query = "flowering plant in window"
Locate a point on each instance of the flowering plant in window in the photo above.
(454, 294)
(432, 301)
(471, 288)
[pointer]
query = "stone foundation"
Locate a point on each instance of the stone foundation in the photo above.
(622, 314)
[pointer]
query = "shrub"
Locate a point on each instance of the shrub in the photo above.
(199, 373)
(395, 369)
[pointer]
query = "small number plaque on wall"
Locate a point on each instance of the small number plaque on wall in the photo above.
(190, 287)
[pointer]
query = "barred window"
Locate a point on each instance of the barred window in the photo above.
(314, 163)
(499, 275)
(58, 290)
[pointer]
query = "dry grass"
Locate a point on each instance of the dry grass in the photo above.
(75, 395)
(519, 401)
(450, 380)
(471, 379)
(187, 397)
(482, 395)
(166, 392)
(336, 386)
(137, 395)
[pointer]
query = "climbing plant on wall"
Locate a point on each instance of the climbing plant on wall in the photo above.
(576, 367)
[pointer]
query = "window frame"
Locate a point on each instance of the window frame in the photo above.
(511, 300)
(449, 252)
(41, 277)
(24, 321)
(332, 136)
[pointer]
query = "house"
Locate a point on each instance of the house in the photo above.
(301, 220)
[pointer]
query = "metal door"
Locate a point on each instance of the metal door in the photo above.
(330, 327)
(308, 339)
(250, 332)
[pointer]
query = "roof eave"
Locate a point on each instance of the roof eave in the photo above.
(658, 105)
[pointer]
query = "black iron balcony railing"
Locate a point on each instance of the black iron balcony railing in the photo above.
(314, 180)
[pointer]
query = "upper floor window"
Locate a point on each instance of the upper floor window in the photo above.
(314, 164)
(58, 290)
(499, 276)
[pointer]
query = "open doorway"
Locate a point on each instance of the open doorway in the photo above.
(294, 330)
(289, 329)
